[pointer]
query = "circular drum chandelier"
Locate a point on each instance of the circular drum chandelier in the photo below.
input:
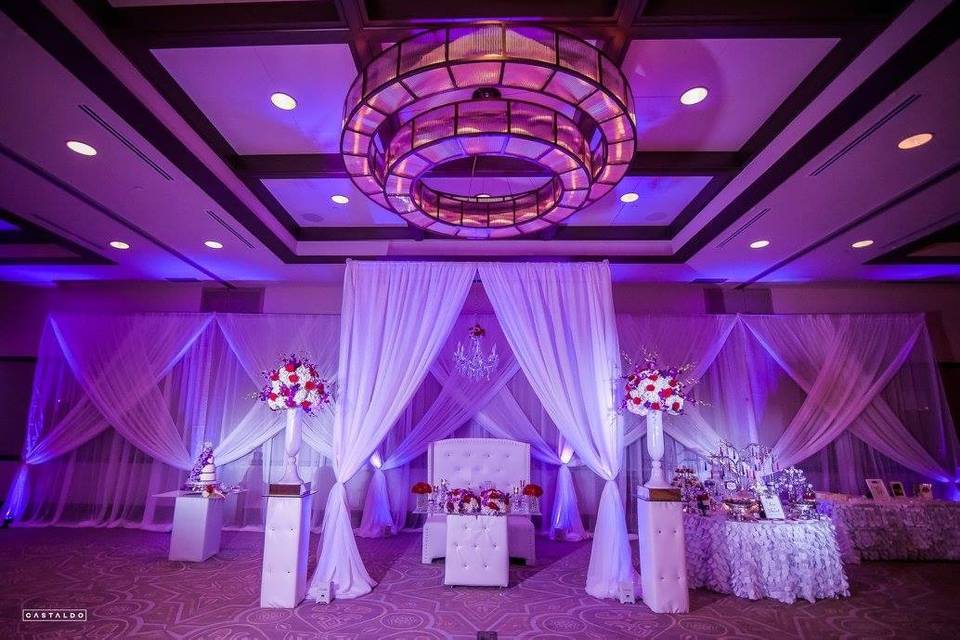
(538, 96)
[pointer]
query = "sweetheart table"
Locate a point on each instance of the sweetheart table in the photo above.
(783, 560)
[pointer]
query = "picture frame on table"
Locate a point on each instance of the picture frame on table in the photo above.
(926, 491)
(877, 489)
(897, 490)
(772, 507)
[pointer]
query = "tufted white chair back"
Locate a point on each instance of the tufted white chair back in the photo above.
(470, 461)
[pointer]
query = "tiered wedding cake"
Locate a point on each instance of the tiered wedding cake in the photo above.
(208, 474)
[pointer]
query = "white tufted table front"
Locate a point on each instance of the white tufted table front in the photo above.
(477, 553)
(466, 462)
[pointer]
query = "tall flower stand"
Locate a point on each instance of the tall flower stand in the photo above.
(663, 559)
(286, 536)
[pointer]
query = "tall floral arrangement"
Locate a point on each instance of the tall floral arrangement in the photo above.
(295, 384)
(649, 387)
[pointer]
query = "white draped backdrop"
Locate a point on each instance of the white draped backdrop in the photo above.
(122, 403)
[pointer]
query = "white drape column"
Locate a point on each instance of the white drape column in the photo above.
(559, 320)
(395, 318)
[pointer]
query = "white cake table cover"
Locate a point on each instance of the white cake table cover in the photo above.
(895, 529)
(783, 560)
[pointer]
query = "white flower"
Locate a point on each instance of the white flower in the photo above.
(303, 373)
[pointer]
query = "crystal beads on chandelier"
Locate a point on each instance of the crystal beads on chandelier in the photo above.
(474, 364)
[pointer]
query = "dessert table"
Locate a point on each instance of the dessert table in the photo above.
(895, 529)
(783, 560)
(477, 551)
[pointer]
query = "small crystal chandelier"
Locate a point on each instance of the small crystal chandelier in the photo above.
(475, 365)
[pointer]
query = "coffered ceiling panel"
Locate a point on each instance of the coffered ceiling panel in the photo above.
(232, 87)
(746, 79)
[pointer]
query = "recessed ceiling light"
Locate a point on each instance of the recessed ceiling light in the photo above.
(759, 244)
(118, 244)
(213, 244)
(630, 197)
(283, 101)
(339, 199)
(915, 141)
(81, 147)
(694, 95)
(483, 195)
(860, 244)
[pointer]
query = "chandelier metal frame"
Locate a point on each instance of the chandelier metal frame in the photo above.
(436, 97)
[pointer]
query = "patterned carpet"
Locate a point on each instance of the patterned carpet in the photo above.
(132, 591)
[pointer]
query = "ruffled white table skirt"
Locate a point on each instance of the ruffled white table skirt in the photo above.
(896, 529)
(780, 560)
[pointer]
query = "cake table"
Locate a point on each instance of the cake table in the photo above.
(196, 527)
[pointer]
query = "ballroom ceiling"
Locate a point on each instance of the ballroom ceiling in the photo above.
(794, 148)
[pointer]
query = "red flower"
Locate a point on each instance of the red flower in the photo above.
(272, 396)
(653, 376)
(655, 406)
(637, 400)
(666, 393)
(294, 378)
(651, 387)
(320, 389)
(310, 385)
(673, 383)
(305, 404)
(291, 367)
(274, 376)
(676, 406)
(422, 487)
(533, 490)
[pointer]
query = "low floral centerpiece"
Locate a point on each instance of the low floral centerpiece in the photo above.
(494, 502)
(532, 494)
(295, 384)
(422, 490)
(213, 491)
(462, 501)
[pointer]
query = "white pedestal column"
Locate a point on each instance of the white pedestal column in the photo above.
(286, 540)
(292, 439)
(196, 528)
(655, 449)
(663, 556)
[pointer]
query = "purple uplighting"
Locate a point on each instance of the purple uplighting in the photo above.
(380, 319)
